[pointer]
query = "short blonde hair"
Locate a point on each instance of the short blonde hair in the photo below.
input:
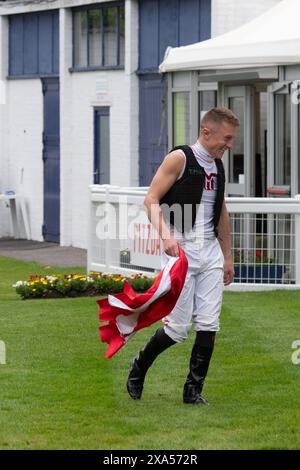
(218, 116)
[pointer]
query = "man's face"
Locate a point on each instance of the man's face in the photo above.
(217, 138)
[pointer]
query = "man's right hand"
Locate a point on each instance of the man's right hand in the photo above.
(171, 246)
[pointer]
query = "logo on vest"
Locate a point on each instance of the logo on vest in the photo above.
(194, 172)
(210, 181)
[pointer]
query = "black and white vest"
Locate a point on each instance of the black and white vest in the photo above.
(186, 194)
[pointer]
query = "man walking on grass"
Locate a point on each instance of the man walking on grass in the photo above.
(192, 179)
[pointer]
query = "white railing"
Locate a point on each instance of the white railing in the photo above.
(265, 237)
(265, 241)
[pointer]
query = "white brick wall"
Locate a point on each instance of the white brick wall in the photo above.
(78, 98)
(22, 149)
(77, 169)
(21, 123)
(21, 126)
(229, 14)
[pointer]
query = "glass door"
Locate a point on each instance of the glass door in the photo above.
(280, 168)
(101, 146)
(239, 162)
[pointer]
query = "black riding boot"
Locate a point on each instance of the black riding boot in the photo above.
(141, 363)
(199, 363)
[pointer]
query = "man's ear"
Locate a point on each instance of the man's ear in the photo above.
(205, 131)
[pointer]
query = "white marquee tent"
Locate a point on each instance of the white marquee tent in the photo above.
(270, 39)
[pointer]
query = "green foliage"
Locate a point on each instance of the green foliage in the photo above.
(252, 257)
(72, 285)
(140, 282)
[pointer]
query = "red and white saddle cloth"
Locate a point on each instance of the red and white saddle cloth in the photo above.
(128, 312)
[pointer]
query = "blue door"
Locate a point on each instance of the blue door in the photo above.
(153, 143)
(51, 159)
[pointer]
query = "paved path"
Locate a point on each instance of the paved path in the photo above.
(46, 253)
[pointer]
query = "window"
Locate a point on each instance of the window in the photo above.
(94, 18)
(99, 36)
(236, 155)
(207, 100)
(298, 153)
(80, 39)
(181, 118)
(282, 174)
(34, 44)
(102, 147)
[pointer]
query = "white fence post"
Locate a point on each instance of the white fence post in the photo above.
(107, 240)
(297, 242)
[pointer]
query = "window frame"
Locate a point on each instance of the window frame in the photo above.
(98, 6)
(282, 135)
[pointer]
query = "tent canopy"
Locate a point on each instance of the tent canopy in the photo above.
(271, 39)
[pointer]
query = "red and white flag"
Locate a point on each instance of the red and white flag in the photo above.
(128, 312)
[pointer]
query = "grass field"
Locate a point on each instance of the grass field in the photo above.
(58, 392)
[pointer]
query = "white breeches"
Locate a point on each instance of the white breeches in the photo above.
(200, 300)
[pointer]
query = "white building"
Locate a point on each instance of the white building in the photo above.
(82, 100)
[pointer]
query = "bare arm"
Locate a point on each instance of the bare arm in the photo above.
(224, 238)
(164, 178)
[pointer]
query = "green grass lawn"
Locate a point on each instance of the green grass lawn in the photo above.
(59, 392)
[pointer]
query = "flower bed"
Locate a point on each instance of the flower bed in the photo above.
(76, 285)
